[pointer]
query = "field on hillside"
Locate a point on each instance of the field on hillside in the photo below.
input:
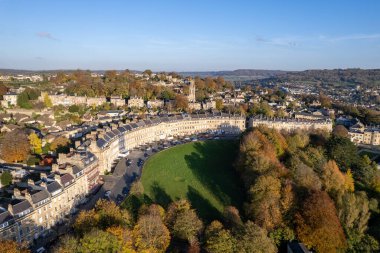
(202, 172)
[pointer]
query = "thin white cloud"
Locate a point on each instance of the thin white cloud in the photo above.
(280, 41)
(46, 35)
(350, 37)
(295, 41)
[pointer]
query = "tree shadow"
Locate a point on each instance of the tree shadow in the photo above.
(212, 164)
(159, 195)
(204, 208)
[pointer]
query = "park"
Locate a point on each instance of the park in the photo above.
(201, 172)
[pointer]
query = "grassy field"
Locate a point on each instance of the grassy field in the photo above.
(202, 172)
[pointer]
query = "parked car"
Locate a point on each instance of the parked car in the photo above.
(124, 154)
(125, 191)
(107, 194)
(41, 250)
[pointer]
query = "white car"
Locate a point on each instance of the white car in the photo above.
(107, 194)
(123, 154)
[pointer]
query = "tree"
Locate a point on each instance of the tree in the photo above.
(9, 246)
(219, 104)
(86, 221)
(150, 234)
(343, 151)
(99, 241)
(59, 144)
(15, 146)
(340, 131)
(6, 178)
(109, 214)
(334, 181)
(148, 72)
(325, 101)
(187, 225)
(183, 221)
(74, 108)
(23, 100)
(180, 102)
(67, 244)
(232, 217)
(318, 226)
(137, 188)
(266, 110)
(218, 239)
(124, 237)
(349, 182)
(353, 212)
(35, 143)
(264, 204)
(254, 239)
(3, 90)
(47, 101)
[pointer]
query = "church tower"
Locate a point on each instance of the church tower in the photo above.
(191, 96)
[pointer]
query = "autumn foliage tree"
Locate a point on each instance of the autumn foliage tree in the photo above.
(218, 239)
(12, 247)
(35, 143)
(180, 102)
(254, 239)
(150, 233)
(14, 147)
(318, 225)
(334, 180)
(183, 221)
(59, 143)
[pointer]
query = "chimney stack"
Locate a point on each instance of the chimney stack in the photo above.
(55, 167)
(16, 192)
(28, 197)
(57, 177)
(43, 184)
(10, 209)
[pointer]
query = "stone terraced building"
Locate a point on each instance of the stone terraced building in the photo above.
(122, 137)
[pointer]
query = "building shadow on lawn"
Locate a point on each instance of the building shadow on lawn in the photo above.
(209, 163)
(204, 208)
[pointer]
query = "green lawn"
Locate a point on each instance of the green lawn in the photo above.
(202, 172)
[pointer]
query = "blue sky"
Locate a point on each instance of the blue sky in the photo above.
(189, 35)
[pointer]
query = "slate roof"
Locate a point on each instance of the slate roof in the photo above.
(66, 179)
(101, 143)
(297, 247)
(39, 196)
(53, 187)
(5, 216)
(20, 205)
(76, 169)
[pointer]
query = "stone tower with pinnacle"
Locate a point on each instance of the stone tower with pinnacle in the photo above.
(191, 97)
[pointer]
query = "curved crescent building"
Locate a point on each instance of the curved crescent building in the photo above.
(109, 143)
